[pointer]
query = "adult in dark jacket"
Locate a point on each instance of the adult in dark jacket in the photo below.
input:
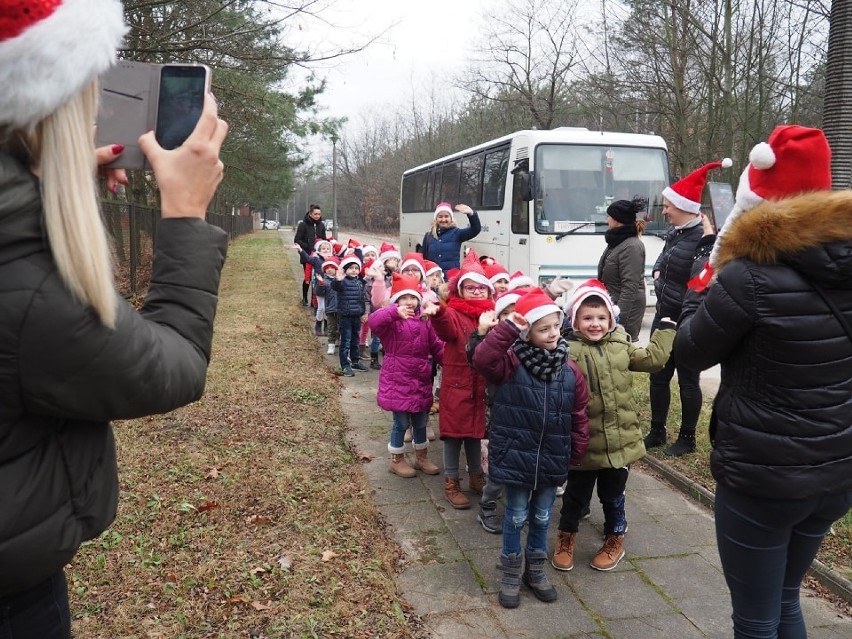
(308, 231)
(781, 429)
(442, 243)
(622, 265)
(682, 208)
(73, 354)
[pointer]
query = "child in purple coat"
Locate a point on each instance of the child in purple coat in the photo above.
(405, 380)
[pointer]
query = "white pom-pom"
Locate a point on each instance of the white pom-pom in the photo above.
(762, 156)
(727, 163)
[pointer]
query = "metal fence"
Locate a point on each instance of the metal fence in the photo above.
(134, 232)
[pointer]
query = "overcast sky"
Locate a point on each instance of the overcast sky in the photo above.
(420, 40)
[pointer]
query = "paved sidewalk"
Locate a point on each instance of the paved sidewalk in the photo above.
(669, 585)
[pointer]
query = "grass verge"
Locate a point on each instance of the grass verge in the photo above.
(244, 514)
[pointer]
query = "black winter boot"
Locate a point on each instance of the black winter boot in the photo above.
(684, 445)
(657, 437)
(318, 329)
(305, 287)
(374, 362)
(535, 578)
(510, 583)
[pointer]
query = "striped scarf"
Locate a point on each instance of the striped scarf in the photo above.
(541, 363)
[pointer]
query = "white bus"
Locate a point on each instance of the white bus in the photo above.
(542, 197)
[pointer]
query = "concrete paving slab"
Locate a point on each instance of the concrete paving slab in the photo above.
(664, 626)
(683, 577)
(434, 589)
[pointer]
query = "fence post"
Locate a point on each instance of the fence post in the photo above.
(134, 246)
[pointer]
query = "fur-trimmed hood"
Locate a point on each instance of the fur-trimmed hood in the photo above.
(812, 233)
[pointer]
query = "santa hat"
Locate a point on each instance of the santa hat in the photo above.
(685, 194)
(501, 302)
(348, 260)
(413, 259)
(405, 285)
(431, 267)
(332, 261)
(353, 243)
(519, 280)
(336, 247)
(534, 305)
(388, 251)
(592, 288)
(795, 160)
(472, 270)
(50, 50)
(319, 242)
(495, 272)
(443, 207)
(369, 248)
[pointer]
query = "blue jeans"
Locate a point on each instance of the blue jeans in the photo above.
(400, 425)
(766, 547)
(38, 613)
(375, 345)
(350, 329)
(524, 505)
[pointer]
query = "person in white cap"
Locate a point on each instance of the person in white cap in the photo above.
(538, 427)
(777, 315)
(74, 354)
(682, 208)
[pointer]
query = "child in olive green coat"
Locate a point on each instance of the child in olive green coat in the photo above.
(607, 357)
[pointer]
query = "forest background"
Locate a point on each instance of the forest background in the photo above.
(712, 78)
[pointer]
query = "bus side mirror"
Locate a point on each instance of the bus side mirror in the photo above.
(527, 186)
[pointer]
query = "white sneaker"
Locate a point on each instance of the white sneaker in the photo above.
(330, 350)
(560, 490)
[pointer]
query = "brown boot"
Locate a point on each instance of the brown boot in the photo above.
(423, 462)
(610, 554)
(454, 495)
(563, 558)
(398, 466)
(477, 482)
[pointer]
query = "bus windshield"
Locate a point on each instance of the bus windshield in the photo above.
(576, 183)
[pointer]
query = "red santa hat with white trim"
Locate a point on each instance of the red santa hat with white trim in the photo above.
(592, 288)
(320, 241)
(519, 280)
(495, 272)
(795, 160)
(388, 251)
(50, 50)
(685, 194)
(332, 261)
(534, 305)
(369, 248)
(348, 260)
(504, 300)
(432, 267)
(444, 207)
(472, 270)
(405, 285)
(413, 259)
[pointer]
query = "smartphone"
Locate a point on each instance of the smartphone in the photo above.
(137, 97)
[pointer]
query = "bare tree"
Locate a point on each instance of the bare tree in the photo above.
(838, 93)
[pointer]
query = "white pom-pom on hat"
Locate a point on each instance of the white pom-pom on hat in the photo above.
(727, 163)
(762, 156)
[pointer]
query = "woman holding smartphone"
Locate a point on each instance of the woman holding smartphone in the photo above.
(73, 354)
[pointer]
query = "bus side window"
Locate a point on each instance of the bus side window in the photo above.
(520, 208)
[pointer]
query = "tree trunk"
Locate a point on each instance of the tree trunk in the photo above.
(838, 94)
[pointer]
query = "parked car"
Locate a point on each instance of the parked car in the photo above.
(329, 225)
(269, 225)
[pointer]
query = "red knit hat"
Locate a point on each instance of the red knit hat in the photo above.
(592, 288)
(431, 267)
(534, 305)
(472, 270)
(388, 251)
(685, 194)
(405, 285)
(495, 272)
(795, 160)
(413, 259)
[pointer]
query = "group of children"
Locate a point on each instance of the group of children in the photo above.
(551, 396)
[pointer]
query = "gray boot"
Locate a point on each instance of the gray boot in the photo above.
(535, 578)
(510, 582)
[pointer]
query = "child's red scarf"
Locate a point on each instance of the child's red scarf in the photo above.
(472, 308)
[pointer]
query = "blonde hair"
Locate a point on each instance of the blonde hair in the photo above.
(62, 149)
(435, 226)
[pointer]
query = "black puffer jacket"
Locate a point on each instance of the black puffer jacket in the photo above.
(782, 419)
(674, 265)
(307, 233)
(63, 376)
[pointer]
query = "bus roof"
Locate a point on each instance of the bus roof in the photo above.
(561, 135)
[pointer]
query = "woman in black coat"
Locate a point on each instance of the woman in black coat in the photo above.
(308, 231)
(777, 316)
(73, 354)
